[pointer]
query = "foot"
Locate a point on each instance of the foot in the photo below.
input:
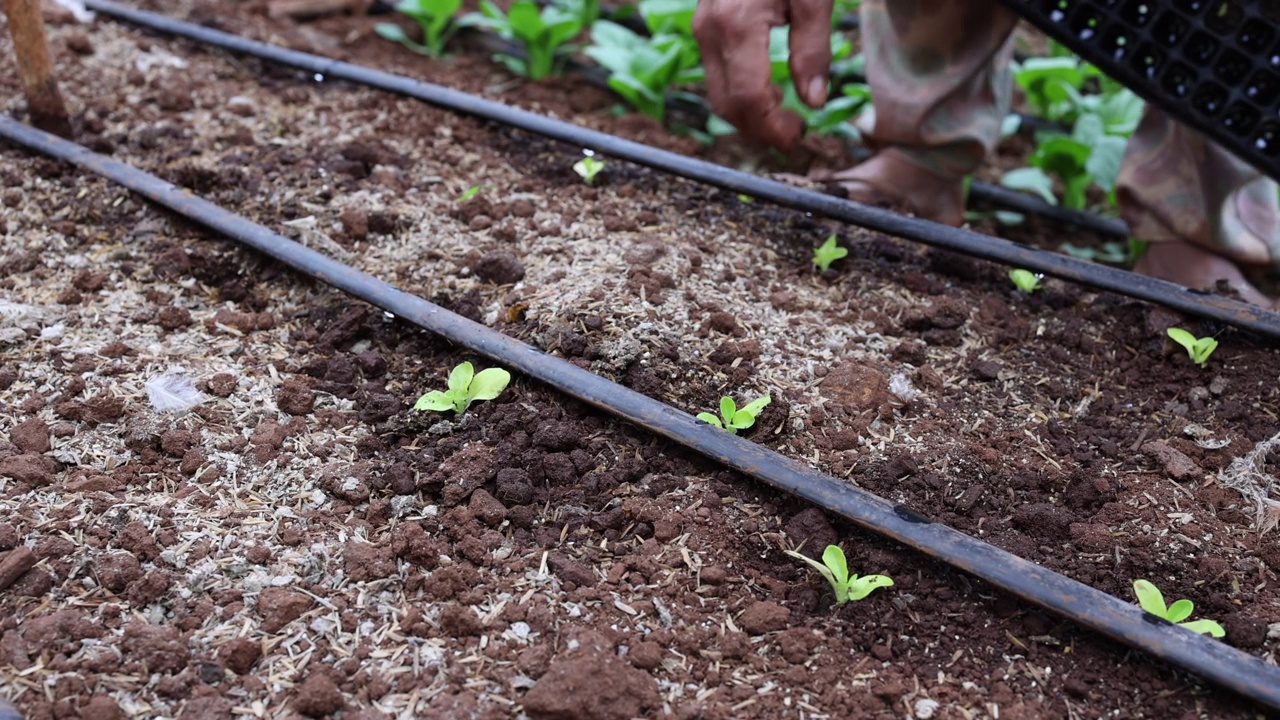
(889, 178)
(1194, 267)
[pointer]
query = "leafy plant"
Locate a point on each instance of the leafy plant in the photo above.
(588, 11)
(465, 387)
(1152, 600)
(836, 571)
(433, 16)
(1198, 348)
(642, 68)
(735, 419)
(543, 33)
(833, 118)
(1027, 281)
(588, 168)
(672, 17)
(827, 253)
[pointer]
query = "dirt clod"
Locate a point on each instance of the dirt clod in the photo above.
(764, 617)
(318, 696)
(591, 683)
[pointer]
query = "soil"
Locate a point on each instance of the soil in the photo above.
(301, 543)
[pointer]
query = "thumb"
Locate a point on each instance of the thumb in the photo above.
(810, 43)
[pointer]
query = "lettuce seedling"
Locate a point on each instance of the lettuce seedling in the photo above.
(543, 33)
(827, 253)
(1198, 348)
(588, 168)
(1152, 600)
(469, 193)
(1027, 281)
(836, 570)
(465, 387)
(642, 68)
(735, 419)
(433, 16)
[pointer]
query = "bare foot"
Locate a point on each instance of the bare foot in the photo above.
(1197, 268)
(889, 178)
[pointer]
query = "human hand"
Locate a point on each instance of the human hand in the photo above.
(734, 37)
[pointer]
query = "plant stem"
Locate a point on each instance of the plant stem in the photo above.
(32, 49)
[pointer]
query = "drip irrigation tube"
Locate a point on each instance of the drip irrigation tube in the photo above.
(1093, 609)
(1227, 310)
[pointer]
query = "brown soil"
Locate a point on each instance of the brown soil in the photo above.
(301, 543)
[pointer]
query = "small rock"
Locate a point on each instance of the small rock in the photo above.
(29, 468)
(499, 267)
(318, 696)
(487, 508)
(295, 398)
(31, 436)
(281, 606)
(764, 617)
(240, 654)
(242, 106)
(592, 683)
(1176, 464)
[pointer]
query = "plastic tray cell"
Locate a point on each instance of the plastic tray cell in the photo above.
(1212, 64)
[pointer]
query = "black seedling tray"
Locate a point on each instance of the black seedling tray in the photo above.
(1213, 64)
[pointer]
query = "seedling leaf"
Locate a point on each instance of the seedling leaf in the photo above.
(833, 558)
(728, 408)
(488, 384)
(434, 401)
(709, 418)
(1205, 627)
(1179, 611)
(1150, 597)
(460, 378)
(1026, 280)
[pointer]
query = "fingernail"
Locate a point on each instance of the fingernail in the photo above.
(818, 91)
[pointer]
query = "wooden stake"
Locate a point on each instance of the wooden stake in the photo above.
(15, 565)
(30, 45)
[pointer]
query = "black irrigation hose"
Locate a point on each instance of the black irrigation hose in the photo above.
(1032, 205)
(1223, 309)
(1073, 600)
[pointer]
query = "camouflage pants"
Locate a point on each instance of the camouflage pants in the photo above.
(940, 79)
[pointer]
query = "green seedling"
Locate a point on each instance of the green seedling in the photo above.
(1152, 600)
(465, 387)
(1027, 281)
(588, 168)
(1198, 348)
(735, 419)
(642, 68)
(435, 17)
(469, 193)
(827, 253)
(836, 570)
(544, 33)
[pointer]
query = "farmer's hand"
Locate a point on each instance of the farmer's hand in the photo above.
(734, 36)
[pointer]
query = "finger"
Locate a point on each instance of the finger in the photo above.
(749, 99)
(811, 49)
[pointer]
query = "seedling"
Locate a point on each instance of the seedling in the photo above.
(1027, 281)
(642, 68)
(543, 33)
(433, 16)
(469, 193)
(735, 419)
(834, 568)
(465, 387)
(1198, 348)
(588, 168)
(827, 253)
(1152, 600)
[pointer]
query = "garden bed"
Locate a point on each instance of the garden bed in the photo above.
(304, 543)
